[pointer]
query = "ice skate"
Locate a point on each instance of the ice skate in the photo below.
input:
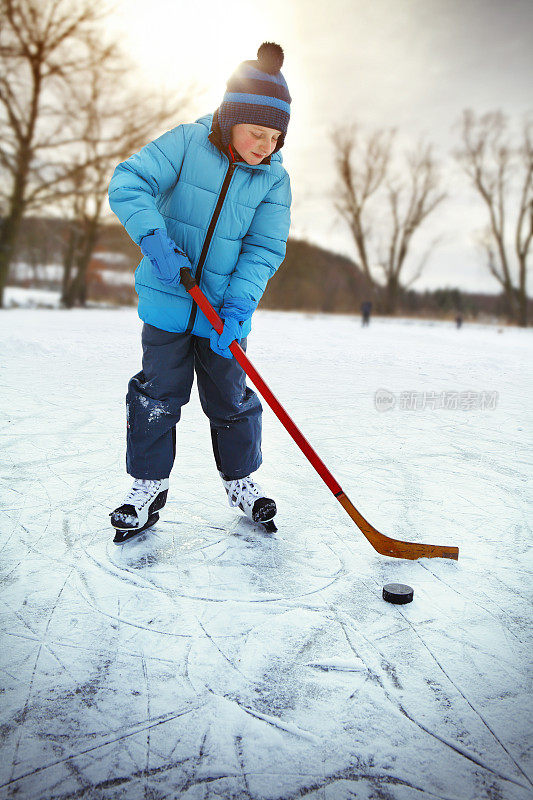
(247, 495)
(139, 508)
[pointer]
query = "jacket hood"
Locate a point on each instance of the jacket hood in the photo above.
(210, 121)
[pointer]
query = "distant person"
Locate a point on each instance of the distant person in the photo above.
(458, 321)
(366, 310)
(212, 196)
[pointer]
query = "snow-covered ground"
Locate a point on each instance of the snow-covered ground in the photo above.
(21, 270)
(20, 297)
(209, 659)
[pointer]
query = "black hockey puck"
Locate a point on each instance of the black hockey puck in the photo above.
(397, 593)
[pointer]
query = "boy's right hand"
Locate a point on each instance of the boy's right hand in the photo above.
(166, 257)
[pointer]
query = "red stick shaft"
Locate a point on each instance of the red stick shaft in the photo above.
(265, 392)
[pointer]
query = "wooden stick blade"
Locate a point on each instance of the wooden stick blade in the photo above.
(396, 548)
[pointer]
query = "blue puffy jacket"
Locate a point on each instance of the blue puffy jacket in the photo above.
(232, 219)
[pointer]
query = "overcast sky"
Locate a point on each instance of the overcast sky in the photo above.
(409, 64)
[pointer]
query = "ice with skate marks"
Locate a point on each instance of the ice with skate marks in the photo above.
(200, 558)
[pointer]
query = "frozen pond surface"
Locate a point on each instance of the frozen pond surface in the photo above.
(209, 659)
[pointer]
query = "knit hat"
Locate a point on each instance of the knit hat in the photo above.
(257, 93)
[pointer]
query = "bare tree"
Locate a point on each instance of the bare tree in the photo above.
(110, 120)
(366, 176)
(39, 53)
(500, 172)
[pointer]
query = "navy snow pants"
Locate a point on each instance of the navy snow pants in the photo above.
(157, 393)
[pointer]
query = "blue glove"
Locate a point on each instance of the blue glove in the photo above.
(166, 257)
(234, 312)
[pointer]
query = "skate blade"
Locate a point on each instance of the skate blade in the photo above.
(269, 526)
(123, 535)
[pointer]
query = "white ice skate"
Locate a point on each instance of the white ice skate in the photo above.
(247, 495)
(139, 508)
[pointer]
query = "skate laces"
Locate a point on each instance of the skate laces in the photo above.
(240, 490)
(141, 491)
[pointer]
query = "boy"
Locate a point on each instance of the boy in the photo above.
(212, 196)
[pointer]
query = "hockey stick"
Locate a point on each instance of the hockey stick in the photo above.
(383, 544)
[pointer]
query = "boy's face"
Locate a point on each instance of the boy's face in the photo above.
(254, 142)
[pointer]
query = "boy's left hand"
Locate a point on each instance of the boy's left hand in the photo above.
(234, 312)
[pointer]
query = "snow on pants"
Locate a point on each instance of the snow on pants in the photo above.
(157, 393)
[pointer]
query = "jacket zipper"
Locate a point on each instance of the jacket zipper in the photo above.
(209, 236)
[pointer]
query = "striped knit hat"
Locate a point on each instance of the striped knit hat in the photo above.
(257, 93)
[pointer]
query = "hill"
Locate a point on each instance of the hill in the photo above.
(311, 278)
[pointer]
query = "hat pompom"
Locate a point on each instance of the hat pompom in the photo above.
(270, 58)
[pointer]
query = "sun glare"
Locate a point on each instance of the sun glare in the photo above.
(176, 42)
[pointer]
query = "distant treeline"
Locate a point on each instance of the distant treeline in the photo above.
(310, 279)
